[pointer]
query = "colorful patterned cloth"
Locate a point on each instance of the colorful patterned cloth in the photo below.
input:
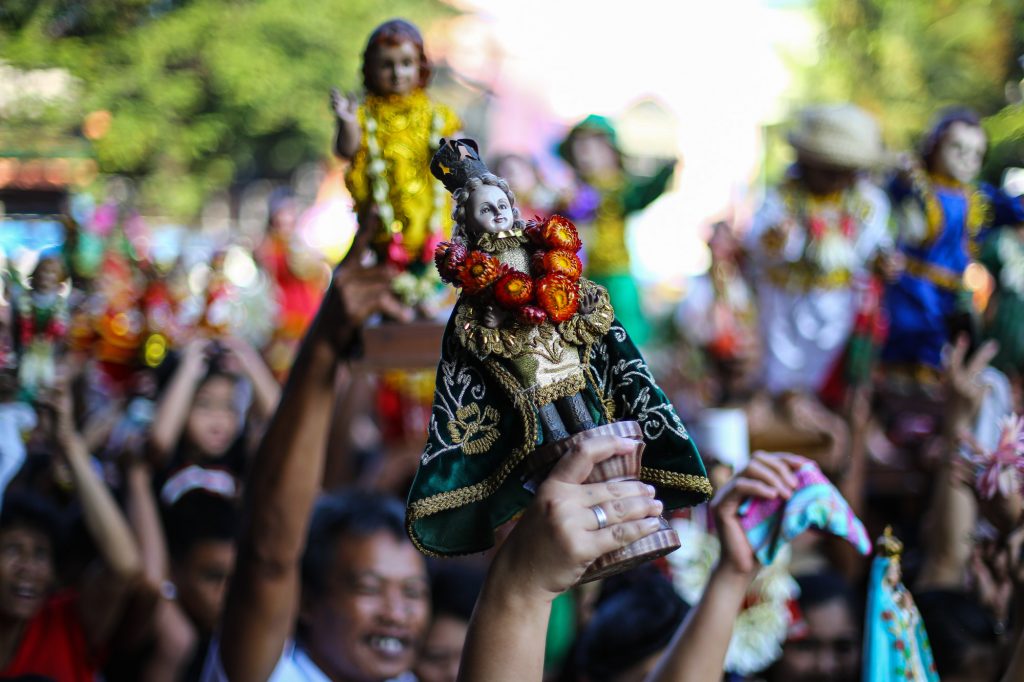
(771, 524)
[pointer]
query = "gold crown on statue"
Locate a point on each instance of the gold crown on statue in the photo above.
(888, 544)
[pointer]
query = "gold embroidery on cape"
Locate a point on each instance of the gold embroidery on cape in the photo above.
(477, 492)
(506, 341)
(688, 482)
(476, 432)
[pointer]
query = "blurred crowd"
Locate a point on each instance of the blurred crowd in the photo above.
(201, 485)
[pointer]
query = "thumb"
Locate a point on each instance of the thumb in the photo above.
(579, 461)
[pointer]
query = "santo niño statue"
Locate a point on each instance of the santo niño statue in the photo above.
(532, 357)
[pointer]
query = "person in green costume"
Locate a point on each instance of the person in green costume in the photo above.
(532, 354)
(1003, 256)
(604, 196)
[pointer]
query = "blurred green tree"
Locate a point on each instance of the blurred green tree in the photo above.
(201, 93)
(906, 59)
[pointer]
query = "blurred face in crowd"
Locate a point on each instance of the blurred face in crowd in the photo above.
(488, 209)
(369, 622)
(395, 69)
(822, 179)
(283, 219)
(26, 571)
(442, 650)
(47, 275)
(831, 650)
(518, 173)
(961, 152)
(213, 421)
(201, 578)
(593, 154)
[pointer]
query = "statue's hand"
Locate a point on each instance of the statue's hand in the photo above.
(493, 317)
(589, 300)
(344, 106)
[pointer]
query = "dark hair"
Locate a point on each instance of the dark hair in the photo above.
(954, 621)
(352, 512)
(937, 135)
(199, 516)
(824, 587)
(637, 615)
(395, 32)
(22, 509)
(454, 588)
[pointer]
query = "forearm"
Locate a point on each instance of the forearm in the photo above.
(283, 485)
(105, 522)
(1015, 672)
(172, 410)
(176, 641)
(950, 519)
(287, 469)
(145, 521)
(845, 556)
(697, 651)
(507, 633)
(346, 140)
(266, 390)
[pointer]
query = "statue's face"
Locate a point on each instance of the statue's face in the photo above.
(961, 152)
(488, 210)
(47, 276)
(395, 69)
(593, 154)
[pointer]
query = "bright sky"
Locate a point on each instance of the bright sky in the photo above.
(717, 66)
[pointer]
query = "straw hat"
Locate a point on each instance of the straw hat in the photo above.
(840, 135)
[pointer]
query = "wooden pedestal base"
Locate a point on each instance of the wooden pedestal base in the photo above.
(627, 467)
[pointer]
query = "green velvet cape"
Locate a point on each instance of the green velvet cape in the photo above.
(482, 426)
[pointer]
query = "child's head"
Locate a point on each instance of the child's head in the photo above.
(956, 145)
(591, 148)
(394, 62)
(214, 418)
(201, 529)
(485, 204)
(48, 274)
(519, 171)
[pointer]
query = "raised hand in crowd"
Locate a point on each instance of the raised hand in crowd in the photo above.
(286, 473)
(546, 553)
(963, 381)
(251, 365)
(79, 622)
(952, 512)
(697, 652)
(173, 409)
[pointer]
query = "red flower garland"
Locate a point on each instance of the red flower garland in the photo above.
(551, 294)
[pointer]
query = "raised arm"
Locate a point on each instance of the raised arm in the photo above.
(953, 510)
(175, 635)
(103, 594)
(546, 554)
(266, 390)
(172, 410)
(286, 476)
(697, 652)
(346, 140)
